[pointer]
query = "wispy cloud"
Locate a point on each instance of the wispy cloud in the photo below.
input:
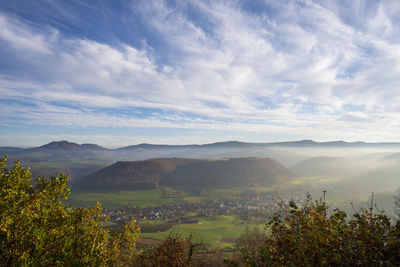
(296, 68)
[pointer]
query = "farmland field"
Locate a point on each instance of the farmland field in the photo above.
(210, 230)
(145, 198)
(155, 197)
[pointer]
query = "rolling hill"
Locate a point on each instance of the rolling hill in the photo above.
(234, 172)
(129, 175)
(65, 145)
(188, 173)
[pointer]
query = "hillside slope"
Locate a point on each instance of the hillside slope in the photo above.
(189, 173)
(129, 175)
(234, 172)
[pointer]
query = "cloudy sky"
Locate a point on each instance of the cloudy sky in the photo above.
(179, 72)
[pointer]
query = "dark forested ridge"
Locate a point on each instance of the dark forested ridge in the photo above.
(229, 172)
(176, 172)
(130, 175)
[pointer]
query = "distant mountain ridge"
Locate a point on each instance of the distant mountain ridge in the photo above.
(58, 145)
(153, 146)
(238, 144)
(7, 149)
(188, 173)
(301, 143)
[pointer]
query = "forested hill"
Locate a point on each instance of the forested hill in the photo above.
(148, 174)
(229, 172)
(130, 175)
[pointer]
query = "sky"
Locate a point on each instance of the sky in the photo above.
(119, 72)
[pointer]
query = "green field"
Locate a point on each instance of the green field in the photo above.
(210, 230)
(156, 197)
(145, 198)
(142, 198)
(216, 231)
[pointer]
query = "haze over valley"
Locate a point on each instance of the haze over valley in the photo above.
(348, 171)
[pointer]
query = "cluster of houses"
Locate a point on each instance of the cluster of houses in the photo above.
(176, 212)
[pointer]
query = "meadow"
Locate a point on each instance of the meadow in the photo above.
(216, 231)
(144, 198)
(156, 197)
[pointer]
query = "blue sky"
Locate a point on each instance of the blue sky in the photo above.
(178, 72)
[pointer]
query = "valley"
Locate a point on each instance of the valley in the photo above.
(215, 191)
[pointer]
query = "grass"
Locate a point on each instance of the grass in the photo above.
(153, 222)
(141, 198)
(144, 198)
(147, 198)
(158, 197)
(193, 199)
(209, 230)
(223, 193)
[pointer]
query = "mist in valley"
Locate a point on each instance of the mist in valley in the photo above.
(350, 175)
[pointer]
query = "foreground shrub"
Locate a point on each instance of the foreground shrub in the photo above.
(172, 251)
(37, 229)
(308, 236)
(177, 251)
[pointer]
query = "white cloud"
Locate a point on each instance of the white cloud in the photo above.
(22, 38)
(304, 69)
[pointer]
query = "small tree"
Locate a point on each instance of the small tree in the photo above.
(36, 228)
(172, 251)
(251, 243)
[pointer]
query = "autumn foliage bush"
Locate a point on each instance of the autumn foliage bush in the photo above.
(37, 229)
(172, 251)
(308, 236)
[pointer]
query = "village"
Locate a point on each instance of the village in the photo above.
(255, 209)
